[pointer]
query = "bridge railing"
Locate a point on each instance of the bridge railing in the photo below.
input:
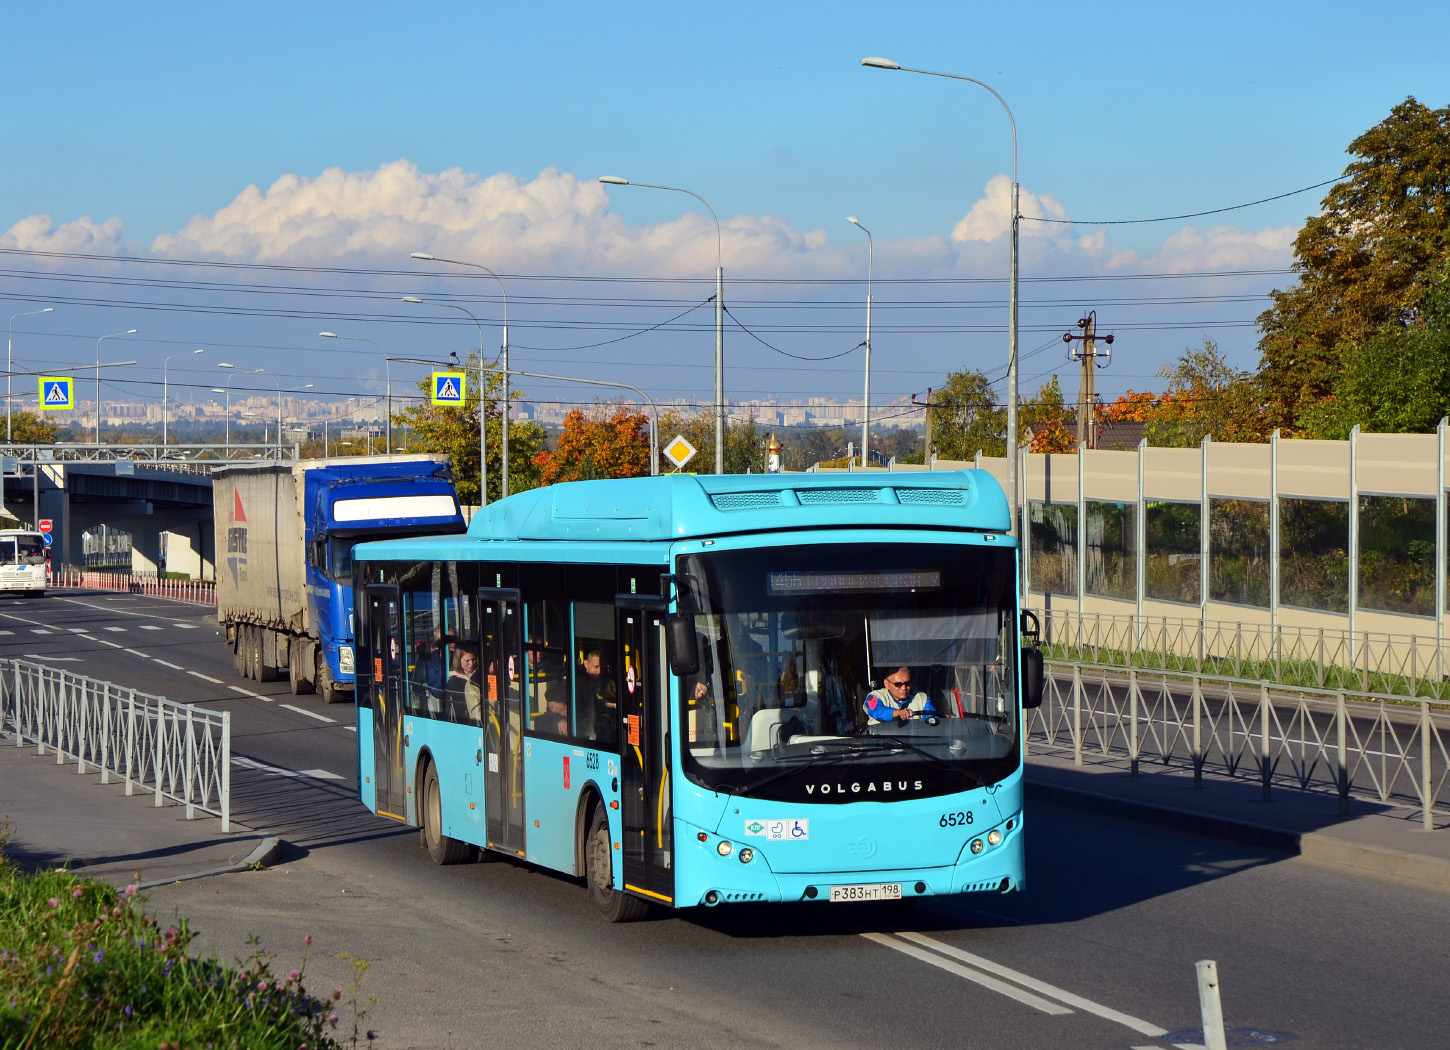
(1374, 746)
(171, 750)
(197, 592)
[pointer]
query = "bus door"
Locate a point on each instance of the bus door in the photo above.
(500, 638)
(385, 647)
(644, 736)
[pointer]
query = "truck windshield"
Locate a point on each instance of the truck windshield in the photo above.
(340, 559)
(798, 645)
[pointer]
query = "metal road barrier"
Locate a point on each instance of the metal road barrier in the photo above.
(176, 751)
(197, 592)
(1385, 748)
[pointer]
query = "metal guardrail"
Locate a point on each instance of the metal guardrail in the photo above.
(173, 750)
(1308, 739)
(197, 592)
(1320, 658)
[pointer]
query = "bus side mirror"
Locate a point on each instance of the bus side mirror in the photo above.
(682, 645)
(1034, 676)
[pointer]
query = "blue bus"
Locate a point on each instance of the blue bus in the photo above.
(694, 690)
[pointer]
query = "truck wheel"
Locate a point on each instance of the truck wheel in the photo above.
(245, 648)
(266, 669)
(254, 652)
(239, 662)
(615, 905)
(441, 848)
(299, 667)
(323, 681)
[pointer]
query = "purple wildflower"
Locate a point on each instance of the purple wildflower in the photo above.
(332, 1019)
(54, 903)
(76, 893)
(101, 954)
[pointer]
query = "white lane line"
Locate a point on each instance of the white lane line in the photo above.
(166, 663)
(277, 771)
(47, 658)
(350, 729)
(206, 677)
(79, 630)
(310, 714)
(975, 976)
(117, 629)
(149, 627)
(39, 630)
(1086, 1005)
(248, 692)
(184, 626)
(138, 652)
(6, 633)
(113, 645)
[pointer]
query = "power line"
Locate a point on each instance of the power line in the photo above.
(1188, 215)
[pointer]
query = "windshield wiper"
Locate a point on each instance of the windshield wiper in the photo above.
(893, 742)
(745, 789)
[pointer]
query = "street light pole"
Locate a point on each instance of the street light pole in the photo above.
(482, 403)
(389, 368)
(112, 335)
(866, 402)
(10, 366)
(1012, 484)
(507, 394)
(615, 180)
(165, 391)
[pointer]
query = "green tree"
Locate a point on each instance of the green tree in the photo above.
(1046, 418)
(28, 428)
(745, 442)
(454, 431)
(1205, 395)
(965, 417)
(1362, 261)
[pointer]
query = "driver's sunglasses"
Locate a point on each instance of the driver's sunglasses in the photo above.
(900, 684)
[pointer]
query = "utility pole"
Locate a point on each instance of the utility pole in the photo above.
(1088, 354)
(926, 453)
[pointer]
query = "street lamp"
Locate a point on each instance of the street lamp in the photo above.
(504, 455)
(482, 405)
(165, 366)
(113, 335)
(1012, 486)
(388, 366)
(615, 180)
(866, 402)
(9, 365)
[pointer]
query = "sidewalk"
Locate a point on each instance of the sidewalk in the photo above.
(1387, 839)
(54, 816)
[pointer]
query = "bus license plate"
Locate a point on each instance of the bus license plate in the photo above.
(870, 891)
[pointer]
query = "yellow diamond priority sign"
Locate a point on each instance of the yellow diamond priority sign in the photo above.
(679, 451)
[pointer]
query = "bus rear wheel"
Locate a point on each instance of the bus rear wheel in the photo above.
(441, 848)
(615, 905)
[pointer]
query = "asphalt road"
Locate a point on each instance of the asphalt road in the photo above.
(1098, 952)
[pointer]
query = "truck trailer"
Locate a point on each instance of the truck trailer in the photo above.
(284, 538)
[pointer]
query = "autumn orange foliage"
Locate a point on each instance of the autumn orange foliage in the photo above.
(595, 446)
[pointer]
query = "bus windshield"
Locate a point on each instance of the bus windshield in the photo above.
(22, 550)
(853, 668)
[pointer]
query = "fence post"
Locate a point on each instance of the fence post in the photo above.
(226, 771)
(1319, 662)
(190, 764)
(1238, 649)
(1078, 714)
(15, 695)
(1132, 723)
(1428, 785)
(130, 742)
(1341, 714)
(1265, 767)
(1277, 633)
(160, 751)
(1197, 731)
(87, 694)
(106, 737)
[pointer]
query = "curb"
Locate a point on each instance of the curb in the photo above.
(266, 853)
(1316, 845)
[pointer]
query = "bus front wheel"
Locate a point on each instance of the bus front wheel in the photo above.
(613, 904)
(441, 848)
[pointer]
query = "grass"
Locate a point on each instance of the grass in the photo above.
(83, 966)
(1303, 673)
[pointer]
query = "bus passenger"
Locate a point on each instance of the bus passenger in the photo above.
(894, 701)
(555, 718)
(596, 698)
(463, 682)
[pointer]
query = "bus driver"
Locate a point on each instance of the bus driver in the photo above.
(894, 699)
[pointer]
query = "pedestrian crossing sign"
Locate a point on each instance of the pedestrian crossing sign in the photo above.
(448, 388)
(57, 393)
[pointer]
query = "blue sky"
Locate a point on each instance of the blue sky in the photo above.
(155, 114)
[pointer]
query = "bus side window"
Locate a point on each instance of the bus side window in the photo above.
(423, 643)
(596, 710)
(546, 649)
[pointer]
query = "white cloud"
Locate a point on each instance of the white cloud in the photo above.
(37, 233)
(1225, 248)
(991, 216)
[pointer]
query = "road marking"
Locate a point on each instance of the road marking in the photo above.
(975, 976)
(207, 677)
(248, 692)
(166, 663)
(48, 658)
(149, 627)
(113, 645)
(185, 626)
(276, 771)
(79, 630)
(138, 652)
(39, 630)
(310, 714)
(350, 729)
(119, 629)
(6, 632)
(1086, 1005)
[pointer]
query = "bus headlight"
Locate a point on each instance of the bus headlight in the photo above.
(723, 848)
(345, 659)
(993, 837)
(747, 855)
(976, 845)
